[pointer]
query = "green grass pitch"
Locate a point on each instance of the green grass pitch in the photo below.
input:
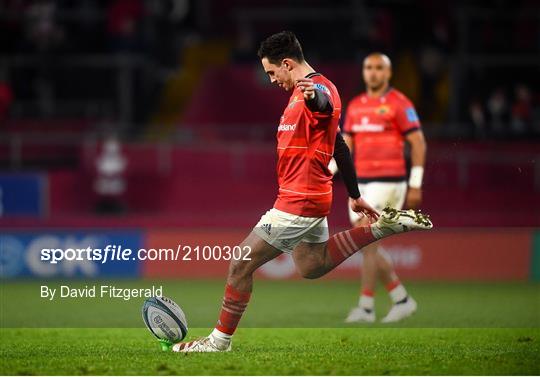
(290, 328)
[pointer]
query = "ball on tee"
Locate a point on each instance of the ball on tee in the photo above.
(165, 319)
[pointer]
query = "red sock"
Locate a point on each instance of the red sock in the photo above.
(234, 304)
(344, 244)
(367, 292)
(390, 286)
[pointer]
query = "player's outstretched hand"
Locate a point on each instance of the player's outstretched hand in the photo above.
(306, 86)
(360, 206)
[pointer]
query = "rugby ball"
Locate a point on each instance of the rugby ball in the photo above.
(165, 319)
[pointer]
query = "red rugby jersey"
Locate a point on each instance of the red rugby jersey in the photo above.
(378, 127)
(305, 144)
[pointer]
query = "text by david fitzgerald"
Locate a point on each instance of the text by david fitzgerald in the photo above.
(99, 291)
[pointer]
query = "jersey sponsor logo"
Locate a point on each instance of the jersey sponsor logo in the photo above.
(367, 128)
(411, 114)
(287, 127)
(322, 88)
(383, 109)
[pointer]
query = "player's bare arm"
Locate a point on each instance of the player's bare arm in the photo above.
(418, 158)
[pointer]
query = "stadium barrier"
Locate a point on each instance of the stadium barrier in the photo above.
(503, 254)
(180, 181)
(23, 194)
(448, 254)
(21, 253)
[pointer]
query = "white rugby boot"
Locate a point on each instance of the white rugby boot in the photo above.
(360, 315)
(400, 311)
(394, 221)
(207, 344)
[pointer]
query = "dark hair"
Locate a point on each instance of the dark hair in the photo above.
(280, 46)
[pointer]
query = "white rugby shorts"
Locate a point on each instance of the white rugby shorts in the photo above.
(380, 195)
(284, 230)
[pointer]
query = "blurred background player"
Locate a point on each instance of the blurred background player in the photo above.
(110, 181)
(376, 125)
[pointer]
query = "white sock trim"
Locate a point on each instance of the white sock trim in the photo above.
(376, 231)
(366, 302)
(216, 334)
(398, 293)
